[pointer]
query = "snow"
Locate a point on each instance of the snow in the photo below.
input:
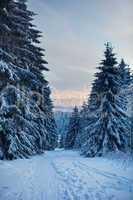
(65, 175)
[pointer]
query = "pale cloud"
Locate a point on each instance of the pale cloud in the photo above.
(70, 97)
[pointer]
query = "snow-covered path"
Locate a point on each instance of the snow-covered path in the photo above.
(64, 175)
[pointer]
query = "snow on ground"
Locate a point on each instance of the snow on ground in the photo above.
(64, 175)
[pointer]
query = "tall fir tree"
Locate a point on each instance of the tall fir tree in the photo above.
(25, 101)
(124, 71)
(126, 82)
(109, 131)
(73, 129)
(88, 117)
(131, 103)
(83, 122)
(130, 110)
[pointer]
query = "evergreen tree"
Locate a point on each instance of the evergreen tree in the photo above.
(88, 117)
(109, 129)
(25, 105)
(73, 129)
(126, 84)
(47, 107)
(38, 65)
(130, 110)
(131, 132)
(83, 122)
(124, 73)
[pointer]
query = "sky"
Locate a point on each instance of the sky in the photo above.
(74, 33)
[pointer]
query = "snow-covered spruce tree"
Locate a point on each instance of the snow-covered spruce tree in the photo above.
(36, 68)
(8, 78)
(47, 107)
(131, 102)
(23, 118)
(88, 117)
(124, 71)
(130, 110)
(73, 129)
(109, 131)
(83, 122)
(125, 76)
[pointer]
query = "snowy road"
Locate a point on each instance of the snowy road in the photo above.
(64, 175)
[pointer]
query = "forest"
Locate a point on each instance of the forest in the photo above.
(82, 150)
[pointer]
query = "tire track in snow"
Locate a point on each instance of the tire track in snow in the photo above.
(76, 184)
(81, 182)
(112, 181)
(101, 193)
(62, 175)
